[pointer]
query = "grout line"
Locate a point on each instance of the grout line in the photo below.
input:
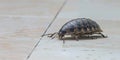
(55, 16)
(47, 29)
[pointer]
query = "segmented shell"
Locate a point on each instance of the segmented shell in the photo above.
(80, 26)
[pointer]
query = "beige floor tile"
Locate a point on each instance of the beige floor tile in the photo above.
(21, 25)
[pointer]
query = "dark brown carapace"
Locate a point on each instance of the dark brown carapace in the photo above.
(79, 27)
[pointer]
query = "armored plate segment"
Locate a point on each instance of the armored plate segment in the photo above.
(79, 27)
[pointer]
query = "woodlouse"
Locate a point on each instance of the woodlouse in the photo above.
(79, 27)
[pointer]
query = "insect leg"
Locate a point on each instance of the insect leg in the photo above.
(51, 35)
(93, 37)
(76, 37)
(61, 38)
(103, 35)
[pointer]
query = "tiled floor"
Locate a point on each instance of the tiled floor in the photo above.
(96, 49)
(21, 25)
(24, 21)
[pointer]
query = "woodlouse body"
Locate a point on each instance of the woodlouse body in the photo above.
(79, 27)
